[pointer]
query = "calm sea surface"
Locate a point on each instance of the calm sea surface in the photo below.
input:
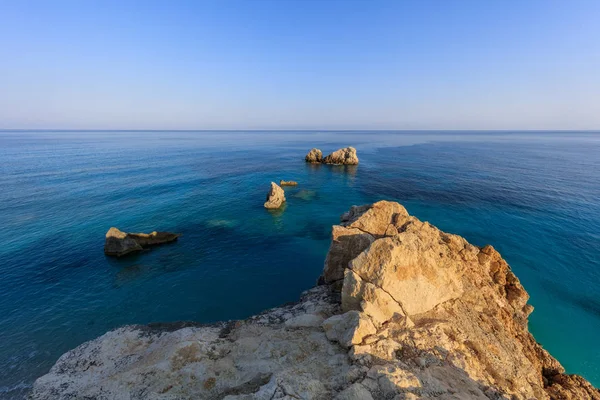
(534, 196)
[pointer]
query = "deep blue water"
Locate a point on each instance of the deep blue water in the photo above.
(534, 196)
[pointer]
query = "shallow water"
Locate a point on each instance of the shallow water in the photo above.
(534, 196)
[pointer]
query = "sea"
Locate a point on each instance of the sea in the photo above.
(533, 195)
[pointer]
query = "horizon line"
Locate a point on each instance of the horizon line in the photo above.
(291, 130)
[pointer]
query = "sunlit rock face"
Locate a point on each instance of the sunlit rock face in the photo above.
(404, 311)
(275, 197)
(314, 156)
(346, 156)
(450, 317)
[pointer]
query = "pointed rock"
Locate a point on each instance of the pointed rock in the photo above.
(275, 197)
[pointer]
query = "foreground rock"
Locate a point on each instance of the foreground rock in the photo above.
(405, 311)
(451, 318)
(275, 197)
(120, 243)
(345, 156)
(283, 353)
(288, 183)
(314, 156)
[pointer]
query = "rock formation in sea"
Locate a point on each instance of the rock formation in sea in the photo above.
(346, 156)
(120, 243)
(314, 156)
(288, 183)
(275, 197)
(402, 311)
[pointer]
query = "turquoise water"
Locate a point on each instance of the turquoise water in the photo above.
(534, 196)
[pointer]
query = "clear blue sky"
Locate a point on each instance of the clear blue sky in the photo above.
(308, 64)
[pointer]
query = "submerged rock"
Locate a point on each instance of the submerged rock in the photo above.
(306, 194)
(407, 311)
(346, 156)
(314, 156)
(275, 197)
(222, 223)
(120, 243)
(288, 183)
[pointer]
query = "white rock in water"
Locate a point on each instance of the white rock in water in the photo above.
(275, 197)
(346, 156)
(314, 156)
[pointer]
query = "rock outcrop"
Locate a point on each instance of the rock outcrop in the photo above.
(120, 243)
(275, 197)
(403, 311)
(451, 318)
(314, 156)
(288, 183)
(346, 156)
(282, 353)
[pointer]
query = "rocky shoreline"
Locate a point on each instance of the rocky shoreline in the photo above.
(402, 311)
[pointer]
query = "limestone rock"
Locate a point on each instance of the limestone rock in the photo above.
(304, 321)
(346, 244)
(253, 359)
(288, 183)
(358, 229)
(314, 156)
(120, 243)
(408, 312)
(445, 312)
(354, 392)
(349, 328)
(275, 197)
(414, 271)
(346, 156)
(372, 300)
(377, 218)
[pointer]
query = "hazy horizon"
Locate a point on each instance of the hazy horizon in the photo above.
(312, 130)
(298, 65)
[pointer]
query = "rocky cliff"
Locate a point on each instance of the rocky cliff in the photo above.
(403, 311)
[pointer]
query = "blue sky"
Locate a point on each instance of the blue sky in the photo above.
(308, 64)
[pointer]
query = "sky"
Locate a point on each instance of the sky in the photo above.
(306, 64)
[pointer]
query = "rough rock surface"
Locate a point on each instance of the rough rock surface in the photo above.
(314, 156)
(275, 197)
(282, 353)
(120, 243)
(405, 311)
(346, 156)
(288, 183)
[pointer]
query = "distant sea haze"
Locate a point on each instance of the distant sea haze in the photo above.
(535, 196)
